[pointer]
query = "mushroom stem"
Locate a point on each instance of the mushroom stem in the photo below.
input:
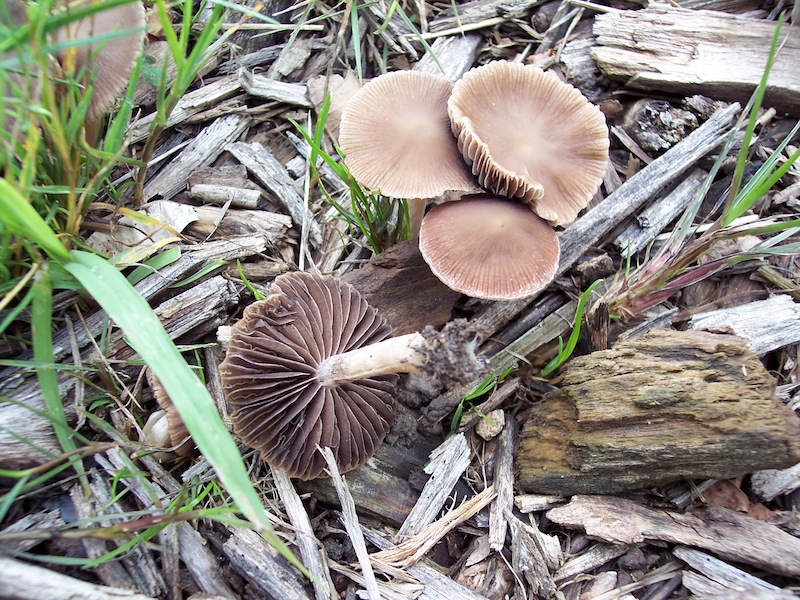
(395, 355)
(416, 210)
(448, 353)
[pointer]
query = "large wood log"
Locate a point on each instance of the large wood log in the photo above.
(698, 52)
(668, 406)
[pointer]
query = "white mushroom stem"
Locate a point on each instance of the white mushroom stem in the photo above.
(449, 354)
(416, 210)
(394, 355)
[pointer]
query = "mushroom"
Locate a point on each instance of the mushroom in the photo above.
(95, 46)
(396, 138)
(528, 135)
(311, 367)
(165, 428)
(489, 247)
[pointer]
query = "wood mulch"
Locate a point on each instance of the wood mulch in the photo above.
(662, 463)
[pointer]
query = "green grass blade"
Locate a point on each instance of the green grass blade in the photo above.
(147, 336)
(22, 219)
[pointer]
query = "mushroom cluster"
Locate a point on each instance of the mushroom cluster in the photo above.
(313, 366)
(537, 148)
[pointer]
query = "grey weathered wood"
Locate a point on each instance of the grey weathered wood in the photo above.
(766, 324)
(456, 55)
(671, 405)
(652, 220)
(505, 451)
(771, 483)
(273, 175)
(528, 559)
(450, 466)
(435, 584)
(728, 579)
(262, 567)
(233, 223)
(689, 52)
(726, 533)
(594, 557)
(194, 551)
(526, 503)
(481, 13)
(189, 105)
(262, 86)
(201, 152)
(351, 524)
(222, 194)
(23, 581)
(312, 554)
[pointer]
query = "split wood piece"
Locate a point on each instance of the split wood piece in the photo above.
(204, 149)
(261, 86)
(534, 556)
(45, 520)
(236, 222)
(312, 553)
(136, 569)
(415, 547)
(189, 105)
(349, 519)
(450, 466)
(455, 55)
(504, 453)
(594, 557)
(652, 220)
(435, 585)
(592, 227)
(689, 52)
(224, 194)
(268, 574)
(22, 581)
(766, 324)
(273, 176)
(718, 579)
(670, 405)
(400, 285)
(478, 14)
(194, 313)
(194, 551)
(726, 533)
(771, 483)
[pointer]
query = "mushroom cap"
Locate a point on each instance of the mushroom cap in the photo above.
(529, 135)
(396, 137)
(269, 376)
(179, 436)
(489, 247)
(114, 59)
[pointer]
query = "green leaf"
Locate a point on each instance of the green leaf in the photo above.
(21, 219)
(147, 336)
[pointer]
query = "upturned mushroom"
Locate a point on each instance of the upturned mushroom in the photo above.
(312, 366)
(395, 134)
(528, 135)
(489, 247)
(165, 427)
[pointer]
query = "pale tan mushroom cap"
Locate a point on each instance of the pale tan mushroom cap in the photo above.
(116, 58)
(529, 135)
(396, 137)
(269, 376)
(489, 247)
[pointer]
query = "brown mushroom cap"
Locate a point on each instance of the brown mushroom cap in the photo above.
(489, 247)
(528, 135)
(113, 59)
(278, 406)
(396, 137)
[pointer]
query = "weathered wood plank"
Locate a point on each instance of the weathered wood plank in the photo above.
(698, 52)
(670, 405)
(727, 533)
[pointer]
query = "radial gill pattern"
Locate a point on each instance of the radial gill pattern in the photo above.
(269, 376)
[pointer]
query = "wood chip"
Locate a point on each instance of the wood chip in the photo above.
(766, 324)
(724, 532)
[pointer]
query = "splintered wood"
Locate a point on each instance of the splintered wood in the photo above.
(697, 52)
(668, 406)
